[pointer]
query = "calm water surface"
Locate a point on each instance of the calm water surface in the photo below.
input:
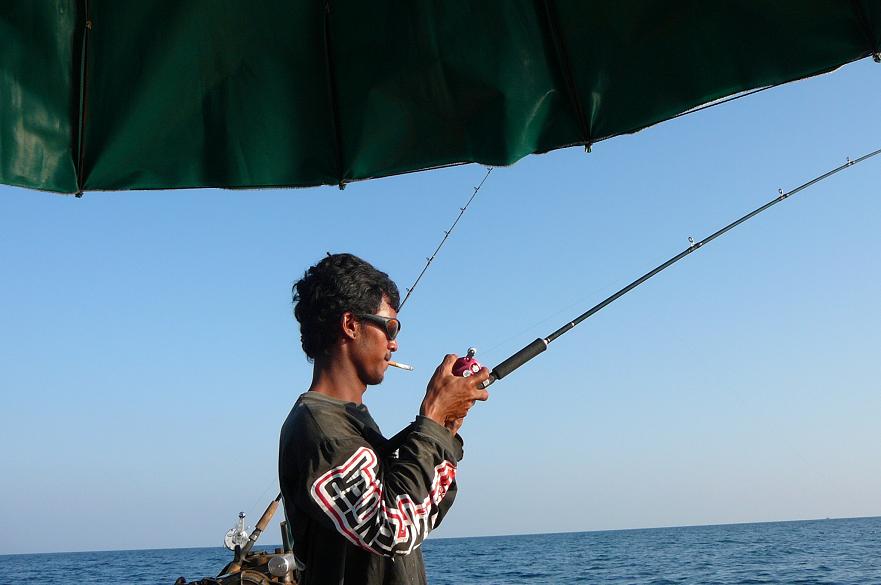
(822, 552)
(817, 552)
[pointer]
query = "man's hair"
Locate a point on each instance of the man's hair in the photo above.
(338, 283)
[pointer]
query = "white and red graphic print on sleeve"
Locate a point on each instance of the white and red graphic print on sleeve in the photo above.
(352, 496)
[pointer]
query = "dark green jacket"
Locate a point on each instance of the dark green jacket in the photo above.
(359, 507)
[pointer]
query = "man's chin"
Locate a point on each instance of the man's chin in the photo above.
(376, 380)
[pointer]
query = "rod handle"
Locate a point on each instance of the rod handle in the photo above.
(267, 515)
(519, 358)
(261, 525)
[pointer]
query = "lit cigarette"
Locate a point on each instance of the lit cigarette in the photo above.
(402, 366)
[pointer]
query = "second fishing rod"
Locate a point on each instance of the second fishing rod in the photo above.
(469, 364)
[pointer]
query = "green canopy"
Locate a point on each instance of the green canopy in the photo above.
(162, 94)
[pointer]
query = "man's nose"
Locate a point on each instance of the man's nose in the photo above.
(393, 345)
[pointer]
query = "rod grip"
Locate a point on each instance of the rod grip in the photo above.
(267, 515)
(519, 358)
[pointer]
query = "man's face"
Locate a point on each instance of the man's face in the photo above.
(373, 349)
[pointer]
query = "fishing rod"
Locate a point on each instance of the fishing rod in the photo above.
(467, 364)
(541, 344)
(443, 241)
(241, 552)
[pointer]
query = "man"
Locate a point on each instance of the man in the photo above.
(360, 505)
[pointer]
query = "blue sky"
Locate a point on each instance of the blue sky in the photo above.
(149, 355)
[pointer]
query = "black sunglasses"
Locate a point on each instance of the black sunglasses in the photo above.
(391, 325)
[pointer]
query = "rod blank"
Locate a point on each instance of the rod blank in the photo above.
(539, 345)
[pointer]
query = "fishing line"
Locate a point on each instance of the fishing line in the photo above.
(595, 292)
(541, 344)
(261, 497)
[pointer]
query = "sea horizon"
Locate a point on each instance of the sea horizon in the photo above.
(817, 551)
(271, 546)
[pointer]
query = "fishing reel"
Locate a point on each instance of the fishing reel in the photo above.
(237, 535)
(467, 365)
(256, 568)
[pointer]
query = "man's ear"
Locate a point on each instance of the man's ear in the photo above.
(349, 325)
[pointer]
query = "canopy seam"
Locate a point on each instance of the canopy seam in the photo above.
(332, 94)
(565, 66)
(863, 21)
(83, 94)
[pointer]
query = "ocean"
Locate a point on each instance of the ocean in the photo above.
(819, 552)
